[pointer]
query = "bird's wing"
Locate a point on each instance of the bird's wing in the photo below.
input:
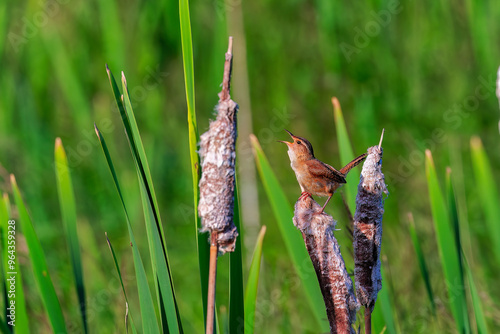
(320, 169)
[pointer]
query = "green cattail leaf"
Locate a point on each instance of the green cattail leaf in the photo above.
(118, 271)
(447, 247)
(284, 214)
(64, 71)
(455, 224)
(487, 191)
(68, 212)
(253, 283)
(149, 322)
(160, 266)
(236, 300)
(422, 263)
(21, 316)
(112, 36)
(39, 265)
(3, 326)
(194, 139)
(476, 303)
(480, 34)
(383, 316)
(482, 328)
(4, 24)
(156, 238)
(346, 154)
(452, 209)
(158, 249)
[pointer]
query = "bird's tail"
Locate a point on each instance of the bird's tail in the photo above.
(344, 170)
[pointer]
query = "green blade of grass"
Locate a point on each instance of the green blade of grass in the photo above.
(187, 61)
(68, 212)
(223, 323)
(113, 41)
(327, 32)
(141, 160)
(482, 328)
(118, 271)
(284, 214)
(253, 283)
(452, 208)
(39, 265)
(487, 191)
(156, 236)
(447, 248)
(119, 103)
(67, 76)
(149, 322)
(455, 152)
(480, 34)
(4, 219)
(236, 300)
(422, 263)
(4, 231)
(128, 132)
(160, 266)
(18, 298)
(346, 154)
(384, 311)
(4, 328)
(4, 21)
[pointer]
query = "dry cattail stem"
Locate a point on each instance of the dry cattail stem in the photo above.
(212, 276)
(368, 231)
(217, 153)
(335, 283)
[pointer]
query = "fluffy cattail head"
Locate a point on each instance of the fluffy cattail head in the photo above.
(368, 228)
(218, 154)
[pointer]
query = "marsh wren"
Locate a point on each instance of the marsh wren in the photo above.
(316, 177)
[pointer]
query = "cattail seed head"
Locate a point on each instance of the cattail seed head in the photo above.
(368, 228)
(218, 155)
(336, 285)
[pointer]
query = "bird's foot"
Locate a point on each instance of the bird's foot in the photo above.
(304, 195)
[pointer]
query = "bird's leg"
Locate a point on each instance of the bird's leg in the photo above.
(328, 200)
(304, 194)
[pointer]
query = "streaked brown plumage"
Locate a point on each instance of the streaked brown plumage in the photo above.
(316, 177)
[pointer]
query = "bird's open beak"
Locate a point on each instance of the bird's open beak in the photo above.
(285, 142)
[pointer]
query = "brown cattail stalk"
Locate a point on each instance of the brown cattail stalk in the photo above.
(336, 285)
(217, 183)
(212, 278)
(368, 231)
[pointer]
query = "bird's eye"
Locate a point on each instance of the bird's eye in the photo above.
(299, 142)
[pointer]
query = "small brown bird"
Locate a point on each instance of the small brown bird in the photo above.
(315, 177)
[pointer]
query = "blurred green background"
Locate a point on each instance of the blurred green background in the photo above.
(423, 70)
